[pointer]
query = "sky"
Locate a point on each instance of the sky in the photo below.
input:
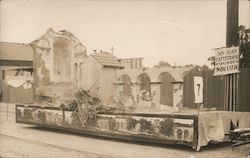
(180, 32)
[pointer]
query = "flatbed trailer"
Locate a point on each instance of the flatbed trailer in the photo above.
(192, 129)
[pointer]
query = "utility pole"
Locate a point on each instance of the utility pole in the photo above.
(232, 23)
(231, 98)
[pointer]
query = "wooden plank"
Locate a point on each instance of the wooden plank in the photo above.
(244, 90)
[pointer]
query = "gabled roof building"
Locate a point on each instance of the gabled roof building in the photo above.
(99, 74)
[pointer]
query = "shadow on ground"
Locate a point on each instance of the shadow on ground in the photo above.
(209, 147)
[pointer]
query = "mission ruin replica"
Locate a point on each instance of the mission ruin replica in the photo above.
(101, 95)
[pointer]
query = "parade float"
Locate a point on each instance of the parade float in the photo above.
(91, 95)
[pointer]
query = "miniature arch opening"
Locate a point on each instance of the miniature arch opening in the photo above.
(62, 60)
(127, 90)
(144, 82)
(166, 88)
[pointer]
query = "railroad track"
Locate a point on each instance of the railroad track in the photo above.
(63, 148)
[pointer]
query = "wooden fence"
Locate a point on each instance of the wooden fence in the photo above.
(215, 90)
(244, 90)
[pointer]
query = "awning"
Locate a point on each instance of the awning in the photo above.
(14, 67)
(15, 63)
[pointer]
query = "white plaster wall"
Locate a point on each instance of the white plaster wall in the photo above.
(108, 86)
(90, 76)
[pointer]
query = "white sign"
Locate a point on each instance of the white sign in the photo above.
(198, 89)
(226, 61)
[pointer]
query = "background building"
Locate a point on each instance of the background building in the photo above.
(132, 63)
(16, 68)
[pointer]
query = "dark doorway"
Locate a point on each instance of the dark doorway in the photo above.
(144, 82)
(166, 88)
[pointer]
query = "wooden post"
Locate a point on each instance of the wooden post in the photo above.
(8, 104)
(198, 104)
(232, 40)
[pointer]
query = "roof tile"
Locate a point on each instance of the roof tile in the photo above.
(107, 60)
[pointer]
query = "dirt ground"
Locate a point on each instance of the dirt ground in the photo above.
(14, 147)
(21, 140)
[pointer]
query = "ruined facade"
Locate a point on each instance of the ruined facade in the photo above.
(57, 59)
(61, 65)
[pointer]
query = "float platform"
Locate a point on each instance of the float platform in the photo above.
(192, 129)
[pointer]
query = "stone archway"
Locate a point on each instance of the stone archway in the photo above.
(62, 61)
(166, 88)
(127, 90)
(144, 82)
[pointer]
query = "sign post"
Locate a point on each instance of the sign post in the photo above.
(198, 91)
(227, 63)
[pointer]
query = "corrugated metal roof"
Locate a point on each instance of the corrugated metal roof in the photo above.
(107, 60)
(15, 51)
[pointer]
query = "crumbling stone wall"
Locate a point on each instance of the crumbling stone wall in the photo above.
(55, 54)
(62, 60)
